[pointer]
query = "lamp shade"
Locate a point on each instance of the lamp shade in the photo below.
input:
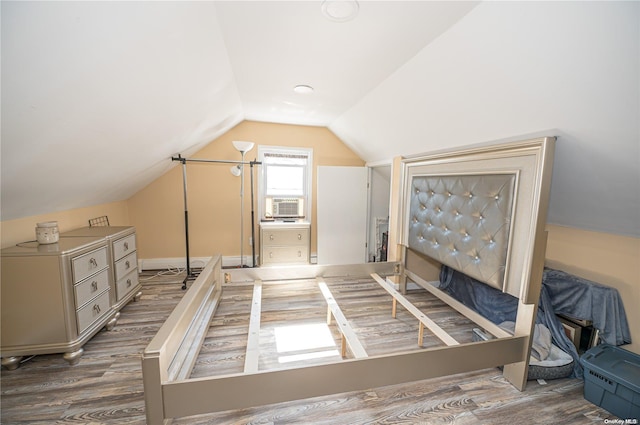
(236, 170)
(242, 146)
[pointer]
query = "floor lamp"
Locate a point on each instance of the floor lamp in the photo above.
(243, 148)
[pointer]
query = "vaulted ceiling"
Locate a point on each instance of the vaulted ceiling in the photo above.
(96, 96)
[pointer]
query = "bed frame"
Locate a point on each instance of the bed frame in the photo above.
(507, 254)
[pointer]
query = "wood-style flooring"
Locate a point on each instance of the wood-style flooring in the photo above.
(106, 386)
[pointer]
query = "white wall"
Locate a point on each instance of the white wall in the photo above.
(511, 69)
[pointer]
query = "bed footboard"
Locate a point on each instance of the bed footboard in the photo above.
(171, 354)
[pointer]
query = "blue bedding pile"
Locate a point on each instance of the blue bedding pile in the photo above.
(561, 293)
(586, 300)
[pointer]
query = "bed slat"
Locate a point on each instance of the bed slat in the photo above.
(489, 326)
(348, 334)
(422, 318)
(253, 338)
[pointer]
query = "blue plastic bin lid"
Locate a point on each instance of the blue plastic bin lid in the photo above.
(620, 365)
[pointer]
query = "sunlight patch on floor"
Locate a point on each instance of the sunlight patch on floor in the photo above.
(304, 342)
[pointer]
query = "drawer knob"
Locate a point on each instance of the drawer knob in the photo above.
(299, 253)
(270, 254)
(270, 237)
(126, 246)
(128, 283)
(127, 264)
(299, 237)
(94, 286)
(93, 262)
(96, 309)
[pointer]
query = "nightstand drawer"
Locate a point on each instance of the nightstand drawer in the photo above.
(89, 263)
(286, 255)
(285, 237)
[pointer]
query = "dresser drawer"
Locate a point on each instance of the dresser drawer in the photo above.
(91, 287)
(93, 311)
(125, 265)
(124, 246)
(285, 237)
(286, 255)
(126, 285)
(89, 263)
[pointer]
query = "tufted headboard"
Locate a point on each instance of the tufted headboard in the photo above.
(464, 221)
(481, 210)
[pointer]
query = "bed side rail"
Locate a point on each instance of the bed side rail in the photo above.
(172, 353)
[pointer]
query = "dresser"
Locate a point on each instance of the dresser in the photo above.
(121, 242)
(55, 297)
(284, 243)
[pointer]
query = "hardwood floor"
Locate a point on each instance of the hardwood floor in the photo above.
(106, 386)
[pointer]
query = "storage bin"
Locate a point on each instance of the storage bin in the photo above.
(612, 380)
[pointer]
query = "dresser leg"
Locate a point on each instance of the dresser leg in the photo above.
(12, 362)
(112, 323)
(137, 296)
(73, 357)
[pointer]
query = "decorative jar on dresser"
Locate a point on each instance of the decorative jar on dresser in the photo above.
(283, 242)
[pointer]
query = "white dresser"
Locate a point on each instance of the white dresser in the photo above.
(55, 297)
(284, 242)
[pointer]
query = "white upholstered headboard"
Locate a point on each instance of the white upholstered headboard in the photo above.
(481, 210)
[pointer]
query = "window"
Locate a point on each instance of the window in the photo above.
(285, 184)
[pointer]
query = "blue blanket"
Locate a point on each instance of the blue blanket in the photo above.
(583, 299)
(560, 293)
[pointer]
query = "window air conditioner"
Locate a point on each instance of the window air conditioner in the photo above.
(287, 207)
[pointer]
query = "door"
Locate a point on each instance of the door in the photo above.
(379, 195)
(342, 215)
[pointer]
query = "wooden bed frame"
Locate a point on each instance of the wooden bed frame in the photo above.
(169, 358)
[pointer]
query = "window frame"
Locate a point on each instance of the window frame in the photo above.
(308, 173)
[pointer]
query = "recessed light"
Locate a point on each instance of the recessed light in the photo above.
(340, 10)
(303, 89)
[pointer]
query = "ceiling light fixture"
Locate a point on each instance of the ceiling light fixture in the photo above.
(303, 89)
(340, 10)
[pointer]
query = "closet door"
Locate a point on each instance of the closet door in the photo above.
(342, 215)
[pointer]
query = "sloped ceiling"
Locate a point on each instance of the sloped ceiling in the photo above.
(97, 96)
(510, 70)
